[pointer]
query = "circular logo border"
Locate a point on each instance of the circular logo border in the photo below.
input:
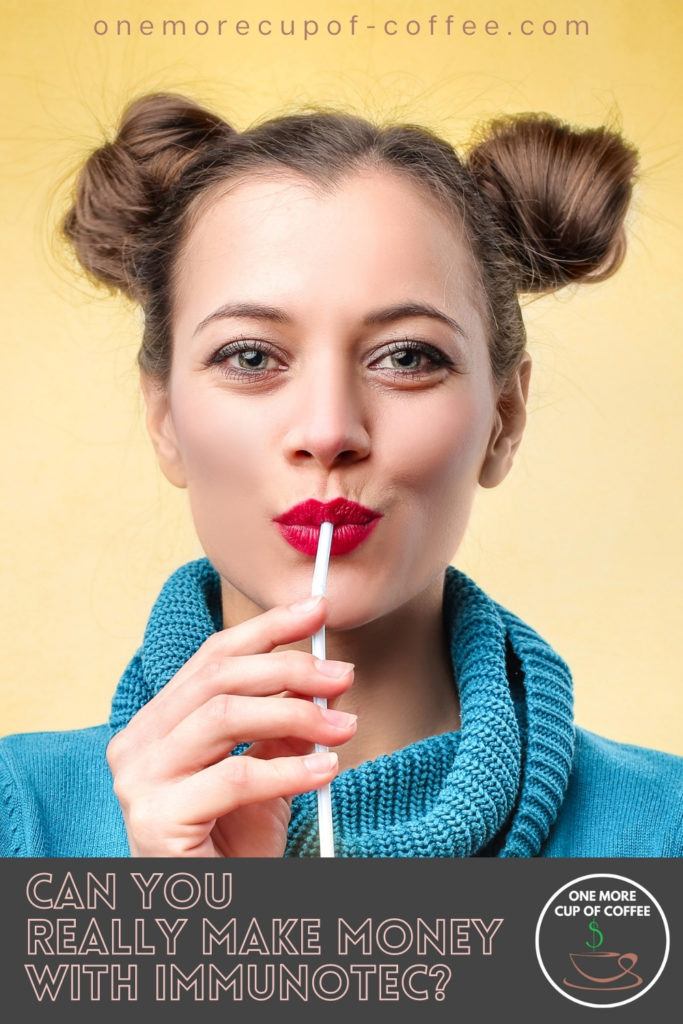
(582, 878)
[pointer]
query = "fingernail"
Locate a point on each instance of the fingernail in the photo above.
(334, 668)
(340, 718)
(307, 605)
(322, 762)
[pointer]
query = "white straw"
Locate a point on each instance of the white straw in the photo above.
(322, 561)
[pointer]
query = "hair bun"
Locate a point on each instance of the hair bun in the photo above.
(559, 194)
(124, 184)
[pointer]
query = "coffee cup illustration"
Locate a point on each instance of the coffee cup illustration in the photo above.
(605, 969)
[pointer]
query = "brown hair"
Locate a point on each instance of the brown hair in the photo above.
(542, 203)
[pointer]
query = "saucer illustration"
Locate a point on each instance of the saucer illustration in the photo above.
(604, 971)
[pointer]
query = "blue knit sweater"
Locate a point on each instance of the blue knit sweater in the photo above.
(518, 779)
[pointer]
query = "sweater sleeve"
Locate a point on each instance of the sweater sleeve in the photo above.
(12, 832)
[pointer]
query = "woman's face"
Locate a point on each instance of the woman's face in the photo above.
(318, 405)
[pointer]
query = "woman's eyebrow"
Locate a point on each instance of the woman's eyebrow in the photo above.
(406, 309)
(257, 311)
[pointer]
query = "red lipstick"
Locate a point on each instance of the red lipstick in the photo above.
(353, 523)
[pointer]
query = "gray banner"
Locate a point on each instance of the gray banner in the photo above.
(316, 939)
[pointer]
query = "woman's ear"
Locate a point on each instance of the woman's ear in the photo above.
(508, 427)
(162, 431)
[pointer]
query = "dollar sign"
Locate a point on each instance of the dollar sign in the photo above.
(595, 942)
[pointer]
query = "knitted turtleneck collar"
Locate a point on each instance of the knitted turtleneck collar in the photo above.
(492, 788)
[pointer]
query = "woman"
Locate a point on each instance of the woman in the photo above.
(332, 330)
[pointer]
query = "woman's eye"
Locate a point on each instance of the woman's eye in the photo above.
(251, 360)
(412, 358)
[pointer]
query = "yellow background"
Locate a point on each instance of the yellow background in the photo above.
(582, 540)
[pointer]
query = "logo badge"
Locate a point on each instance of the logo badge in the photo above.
(602, 940)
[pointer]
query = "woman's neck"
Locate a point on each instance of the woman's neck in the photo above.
(403, 688)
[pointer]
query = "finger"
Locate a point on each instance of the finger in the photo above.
(260, 634)
(267, 749)
(216, 727)
(249, 675)
(281, 747)
(241, 779)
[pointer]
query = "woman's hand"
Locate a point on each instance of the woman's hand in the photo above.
(181, 792)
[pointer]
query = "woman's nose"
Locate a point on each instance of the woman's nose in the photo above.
(328, 421)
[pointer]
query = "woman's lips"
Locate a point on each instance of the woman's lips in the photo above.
(353, 523)
(345, 537)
